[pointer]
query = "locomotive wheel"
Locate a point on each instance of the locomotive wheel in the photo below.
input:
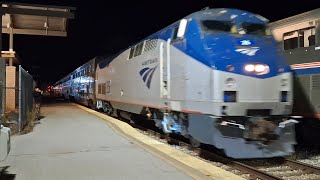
(194, 143)
(109, 113)
(91, 105)
(108, 109)
(168, 138)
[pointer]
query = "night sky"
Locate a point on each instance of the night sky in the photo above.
(106, 27)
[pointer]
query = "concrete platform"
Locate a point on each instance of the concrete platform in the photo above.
(74, 143)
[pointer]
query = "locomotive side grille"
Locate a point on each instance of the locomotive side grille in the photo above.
(315, 81)
(150, 45)
(99, 88)
(102, 87)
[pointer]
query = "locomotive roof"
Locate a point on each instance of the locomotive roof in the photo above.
(228, 14)
(218, 14)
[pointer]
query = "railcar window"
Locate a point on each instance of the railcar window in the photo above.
(256, 29)
(307, 37)
(299, 38)
(290, 40)
(217, 26)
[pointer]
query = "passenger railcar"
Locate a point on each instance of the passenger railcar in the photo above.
(215, 77)
(299, 39)
(79, 86)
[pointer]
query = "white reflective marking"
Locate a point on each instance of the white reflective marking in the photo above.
(297, 117)
(248, 51)
(245, 42)
(225, 123)
(284, 123)
(233, 16)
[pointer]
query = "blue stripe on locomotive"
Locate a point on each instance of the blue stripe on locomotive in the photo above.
(218, 50)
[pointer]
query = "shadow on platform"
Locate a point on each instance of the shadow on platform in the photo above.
(4, 175)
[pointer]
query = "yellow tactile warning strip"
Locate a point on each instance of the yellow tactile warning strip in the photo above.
(190, 165)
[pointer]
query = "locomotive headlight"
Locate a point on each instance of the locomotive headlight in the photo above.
(259, 68)
(249, 67)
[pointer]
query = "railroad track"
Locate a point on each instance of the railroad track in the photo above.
(267, 169)
(282, 168)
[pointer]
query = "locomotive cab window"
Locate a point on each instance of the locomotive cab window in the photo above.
(175, 33)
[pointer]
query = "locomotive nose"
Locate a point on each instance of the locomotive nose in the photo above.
(260, 129)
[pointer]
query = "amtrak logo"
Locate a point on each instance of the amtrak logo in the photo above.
(245, 42)
(147, 74)
(248, 51)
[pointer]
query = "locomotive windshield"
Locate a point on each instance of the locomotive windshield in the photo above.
(255, 29)
(217, 26)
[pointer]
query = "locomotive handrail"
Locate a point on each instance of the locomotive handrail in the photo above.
(226, 123)
(161, 70)
(168, 69)
(289, 121)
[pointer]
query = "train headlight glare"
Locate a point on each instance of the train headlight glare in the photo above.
(249, 67)
(259, 68)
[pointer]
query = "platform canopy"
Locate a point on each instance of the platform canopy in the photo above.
(35, 19)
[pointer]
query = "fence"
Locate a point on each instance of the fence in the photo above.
(25, 97)
(2, 86)
(16, 98)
